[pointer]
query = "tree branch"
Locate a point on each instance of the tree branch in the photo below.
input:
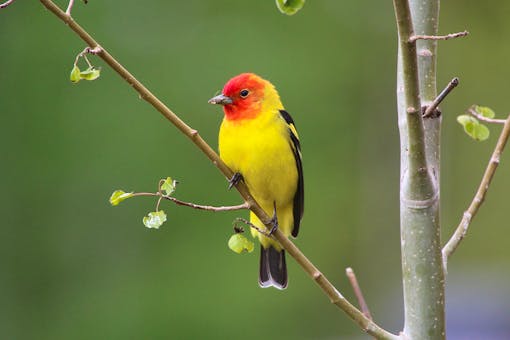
(416, 173)
(473, 112)
(438, 37)
(431, 109)
(251, 225)
(245, 205)
(479, 197)
(357, 291)
(69, 7)
(335, 297)
(7, 3)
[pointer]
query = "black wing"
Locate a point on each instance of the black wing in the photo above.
(299, 196)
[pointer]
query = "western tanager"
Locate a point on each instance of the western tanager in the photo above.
(259, 142)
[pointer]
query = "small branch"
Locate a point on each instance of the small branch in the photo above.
(357, 291)
(473, 112)
(413, 38)
(479, 198)
(431, 109)
(251, 225)
(5, 4)
(245, 205)
(69, 7)
(83, 54)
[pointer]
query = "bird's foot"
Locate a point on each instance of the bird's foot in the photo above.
(273, 222)
(234, 180)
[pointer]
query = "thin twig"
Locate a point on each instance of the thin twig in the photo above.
(479, 198)
(357, 291)
(83, 54)
(413, 38)
(251, 225)
(473, 112)
(245, 205)
(431, 109)
(69, 7)
(5, 4)
(329, 290)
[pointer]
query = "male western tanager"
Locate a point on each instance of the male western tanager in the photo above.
(259, 142)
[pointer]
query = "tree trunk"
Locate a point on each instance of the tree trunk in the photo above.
(423, 275)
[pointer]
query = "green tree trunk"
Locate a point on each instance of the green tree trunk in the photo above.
(423, 275)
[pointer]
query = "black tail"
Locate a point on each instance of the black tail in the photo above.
(273, 270)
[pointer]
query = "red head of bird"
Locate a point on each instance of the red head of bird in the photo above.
(247, 95)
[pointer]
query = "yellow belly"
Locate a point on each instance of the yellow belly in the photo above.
(259, 149)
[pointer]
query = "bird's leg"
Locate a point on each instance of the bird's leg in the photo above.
(274, 221)
(234, 180)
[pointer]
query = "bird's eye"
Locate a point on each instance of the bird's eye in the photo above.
(244, 93)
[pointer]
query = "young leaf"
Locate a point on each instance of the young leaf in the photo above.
(473, 127)
(168, 186)
(75, 74)
(464, 119)
(289, 7)
(481, 132)
(485, 111)
(155, 219)
(119, 196)
(91, 73)
(238, 243)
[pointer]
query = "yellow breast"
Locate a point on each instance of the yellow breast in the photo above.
(260, 150)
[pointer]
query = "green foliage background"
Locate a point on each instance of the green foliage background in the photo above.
(73, 267)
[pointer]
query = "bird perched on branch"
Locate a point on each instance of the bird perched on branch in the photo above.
(259, 142)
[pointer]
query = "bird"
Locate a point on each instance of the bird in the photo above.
(259, 142)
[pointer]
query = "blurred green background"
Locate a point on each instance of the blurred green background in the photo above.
(73, 267)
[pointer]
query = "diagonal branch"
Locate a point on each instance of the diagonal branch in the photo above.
(357, 291)
(479, 198)
(70, 7)
(7, 3)
(431, 109)
(333, 294)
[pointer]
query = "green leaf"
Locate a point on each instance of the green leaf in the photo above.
(168, 186)
(474, 128)
(155, 219)
(289, 7)
(75, 74)
(119, 196)
(238, 243)
(91, 73)
(481, 132)
(464, 119)
(485, 111)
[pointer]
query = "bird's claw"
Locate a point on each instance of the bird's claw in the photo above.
(234, 180)
(273, 221)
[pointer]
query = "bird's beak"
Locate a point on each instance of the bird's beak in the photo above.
(221, 100)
